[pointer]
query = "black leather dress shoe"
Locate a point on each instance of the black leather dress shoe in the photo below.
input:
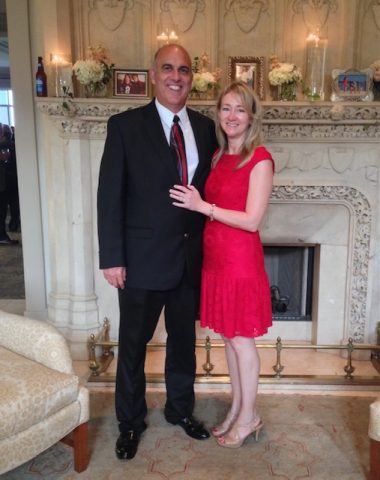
(126, 445)
(192, 427)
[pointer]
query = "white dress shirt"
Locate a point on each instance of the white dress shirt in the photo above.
(166, 117)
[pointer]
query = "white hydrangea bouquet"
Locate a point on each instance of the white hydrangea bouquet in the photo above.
(281, 72)
(204, 81)
(284, 75)
(95, 71)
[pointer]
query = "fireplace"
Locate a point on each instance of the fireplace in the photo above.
(337, 219)
(325, 196)
(290, 272)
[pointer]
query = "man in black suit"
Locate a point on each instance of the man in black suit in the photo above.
(149, 249)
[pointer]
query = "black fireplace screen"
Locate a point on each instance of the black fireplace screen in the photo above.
(290, 272)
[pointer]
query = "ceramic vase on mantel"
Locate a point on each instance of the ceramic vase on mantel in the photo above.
(287, 92)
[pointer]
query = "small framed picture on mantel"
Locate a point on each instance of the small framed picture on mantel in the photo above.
(352, 85)
(130, 83)
(249, 70)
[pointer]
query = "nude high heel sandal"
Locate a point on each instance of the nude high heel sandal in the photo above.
(227, 423)
(236, 441)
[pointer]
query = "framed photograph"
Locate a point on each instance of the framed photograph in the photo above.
(130, 83)
(249, 70)
(352, 85)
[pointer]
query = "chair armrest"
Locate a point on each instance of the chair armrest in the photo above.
(36, 340)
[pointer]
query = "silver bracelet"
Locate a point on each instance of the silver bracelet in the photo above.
(211, 214)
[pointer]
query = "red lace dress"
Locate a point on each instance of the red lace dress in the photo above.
(235, 293)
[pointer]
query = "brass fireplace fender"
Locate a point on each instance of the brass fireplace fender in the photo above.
(99, 363)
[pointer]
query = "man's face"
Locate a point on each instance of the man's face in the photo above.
(172, 77)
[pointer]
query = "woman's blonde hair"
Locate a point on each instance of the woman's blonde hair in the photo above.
(252, 106)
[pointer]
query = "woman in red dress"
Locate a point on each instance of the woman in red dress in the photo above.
(235, 293)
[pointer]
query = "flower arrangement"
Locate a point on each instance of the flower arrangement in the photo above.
(286, 76)
(95, 71)
(281, 72)
(203, 80)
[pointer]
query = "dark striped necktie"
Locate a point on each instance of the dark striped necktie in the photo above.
(177, 146)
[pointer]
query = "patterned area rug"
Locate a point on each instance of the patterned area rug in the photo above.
(12, 270)
(316, 437)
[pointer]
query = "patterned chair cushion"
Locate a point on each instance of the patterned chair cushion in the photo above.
(30, 392)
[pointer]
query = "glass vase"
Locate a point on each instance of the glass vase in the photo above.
(315, 67)
(95, 90)
(287, 92)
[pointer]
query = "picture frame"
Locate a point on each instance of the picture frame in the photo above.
(352, 85)
(250, 70)
(131, 83)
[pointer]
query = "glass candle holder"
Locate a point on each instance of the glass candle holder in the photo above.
(63, 72)
(315, 67)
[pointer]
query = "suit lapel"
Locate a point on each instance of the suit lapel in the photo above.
(155, 132)
(197, 130)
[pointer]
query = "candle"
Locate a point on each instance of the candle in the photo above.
(162, 37)
(173, 36)
(166, 36)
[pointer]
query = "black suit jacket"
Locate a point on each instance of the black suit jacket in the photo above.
(138, 227)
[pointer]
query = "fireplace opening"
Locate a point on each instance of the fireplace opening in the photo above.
(290, 272)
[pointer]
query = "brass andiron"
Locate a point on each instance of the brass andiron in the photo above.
(349, 369)
(208, 366)
(98, 366)
(278, 368)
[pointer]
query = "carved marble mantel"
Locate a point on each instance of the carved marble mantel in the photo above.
(327, 161)
(283, 121)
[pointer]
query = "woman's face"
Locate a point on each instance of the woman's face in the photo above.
(233, 118)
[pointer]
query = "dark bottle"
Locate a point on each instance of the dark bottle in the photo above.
(41, 80)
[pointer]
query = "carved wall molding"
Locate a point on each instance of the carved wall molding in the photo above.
(111, 13)
(375, 7)
(182, 12)
(315, 13)
(360, 211)
(247, 13)
(342, 160)
(319, 133)
(322, 111)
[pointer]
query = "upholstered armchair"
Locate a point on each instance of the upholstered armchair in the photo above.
(41, 401)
